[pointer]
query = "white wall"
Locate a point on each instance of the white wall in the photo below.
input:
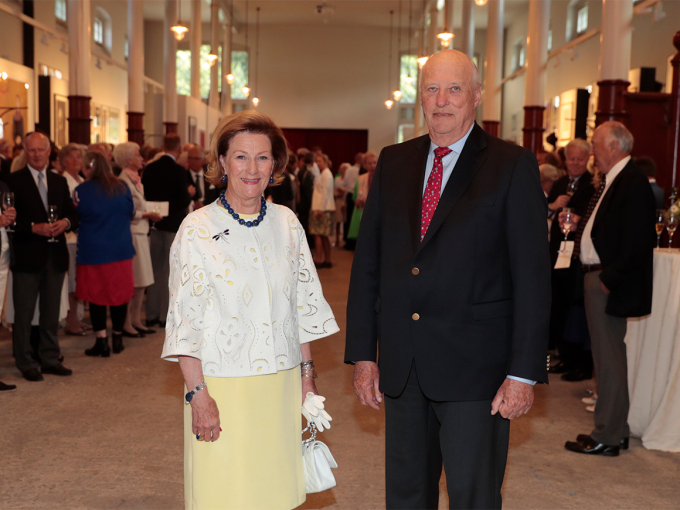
(327, 77)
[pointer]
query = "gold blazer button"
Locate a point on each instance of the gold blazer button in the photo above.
(415, 271)
(415, 316)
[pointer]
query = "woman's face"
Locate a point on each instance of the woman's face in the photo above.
(136, 163)
(248, 165)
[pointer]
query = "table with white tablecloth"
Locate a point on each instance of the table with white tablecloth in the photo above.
(653, 349)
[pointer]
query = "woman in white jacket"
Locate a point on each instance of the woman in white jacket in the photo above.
(245, 303)
(322, 216)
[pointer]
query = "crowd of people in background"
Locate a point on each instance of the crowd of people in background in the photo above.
(89, 228)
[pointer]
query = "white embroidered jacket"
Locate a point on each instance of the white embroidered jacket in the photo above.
(243, 299)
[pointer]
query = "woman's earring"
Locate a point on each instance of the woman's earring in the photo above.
(271, 179)
(224, 178)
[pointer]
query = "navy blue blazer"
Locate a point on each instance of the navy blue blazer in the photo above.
(104, 234)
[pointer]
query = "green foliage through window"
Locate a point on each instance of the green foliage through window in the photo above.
(239, 68)
(409, 67)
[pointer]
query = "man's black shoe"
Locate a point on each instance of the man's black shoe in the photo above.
(584, 437)
(590, 447)
(7, 387)
(32, 374)
(57, 370)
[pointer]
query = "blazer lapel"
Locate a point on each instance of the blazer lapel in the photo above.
(30, 184)
(606, 200)
(415, 177)
(466, 167)
(53, 197)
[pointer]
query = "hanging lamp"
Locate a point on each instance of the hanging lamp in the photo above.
(389, 103)
(179, 29)
(409, 78)
(230, 77)
(246, 89)
(256, 100)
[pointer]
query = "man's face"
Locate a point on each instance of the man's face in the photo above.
(73, 163)
(577, 161)
(195, 160)
(37, 151)
(370, 162)
(449, 94)
(603, 148)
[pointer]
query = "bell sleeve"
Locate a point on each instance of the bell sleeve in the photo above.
(190, 297)
(315, 317)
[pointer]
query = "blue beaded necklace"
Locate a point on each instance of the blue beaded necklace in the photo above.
(253, 223)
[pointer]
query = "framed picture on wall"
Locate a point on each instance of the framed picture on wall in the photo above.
(60, 129)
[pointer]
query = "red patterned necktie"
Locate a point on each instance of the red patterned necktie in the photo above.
(433, 190)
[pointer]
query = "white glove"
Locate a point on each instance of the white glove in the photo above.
(313, 410)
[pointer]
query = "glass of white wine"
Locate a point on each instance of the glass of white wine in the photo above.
(567, 223)
(52, 216)
(571, 188)
(671, 224)
(7, 202)
(660, 225)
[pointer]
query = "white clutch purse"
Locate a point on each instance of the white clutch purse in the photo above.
(318, 461)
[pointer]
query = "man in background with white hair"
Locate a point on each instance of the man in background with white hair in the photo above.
(614, 242)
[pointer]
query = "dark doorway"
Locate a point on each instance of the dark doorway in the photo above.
(340, 144)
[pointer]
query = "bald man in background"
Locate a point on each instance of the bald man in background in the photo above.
(451, 277)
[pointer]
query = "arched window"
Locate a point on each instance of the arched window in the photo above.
(101, 29)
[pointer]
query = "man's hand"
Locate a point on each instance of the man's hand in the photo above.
(58, 227)
(559, 203)
(366, 383)
(42, 229)
(192, 190)
(604, 288)
(513, 399)
(575, 218)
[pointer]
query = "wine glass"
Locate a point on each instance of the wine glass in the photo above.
(52, 216)
(7, 202)
(671, 224)
(571, 187)
(660, 225)
(567, 223)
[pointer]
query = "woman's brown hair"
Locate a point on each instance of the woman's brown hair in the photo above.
(101, 171)
(248, 121)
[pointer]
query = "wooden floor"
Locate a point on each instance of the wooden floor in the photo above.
(110, 436)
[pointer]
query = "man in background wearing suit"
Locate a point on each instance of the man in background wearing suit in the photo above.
(5, 160)
(38, 265)
(615, 244)
(451, 277)
(648, 167)
(576, 360)
(205, 193)
(164, 181)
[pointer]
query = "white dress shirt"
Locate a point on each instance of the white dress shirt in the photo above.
(448, 162)
(242, 300)
(198, 181)
(35, 173)
(588, 253)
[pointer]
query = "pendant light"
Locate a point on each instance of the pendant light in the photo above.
(446, 34)
(423, 58)
(397, 92)
(246, 89)
(389, 103)
(230, 77)
(179, 29)
(481, 3)
(409, 78)
(256, 100)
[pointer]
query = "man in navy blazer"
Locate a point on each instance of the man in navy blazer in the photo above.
(38, 265)
(458, 302)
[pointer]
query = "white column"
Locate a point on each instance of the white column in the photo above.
(226, 69)
(79, 45)
(417, 110)
(616, 39)
(537, 54)
(170, 61)
(214, 99)
(491, 107)
(467, 34)
(434, 29)
(136, 56)
(195, 46)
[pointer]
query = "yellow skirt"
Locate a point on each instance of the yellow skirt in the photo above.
(257, 461)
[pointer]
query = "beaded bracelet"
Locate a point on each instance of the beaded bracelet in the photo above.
(308, 369)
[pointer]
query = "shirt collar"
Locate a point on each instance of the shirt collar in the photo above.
(196, 174)
(170, 156)
(456, 147)
(616, 169)
(35, 172)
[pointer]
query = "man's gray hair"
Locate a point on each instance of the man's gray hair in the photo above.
(66, 151)
(579, 143)
(124, 152)
(620, 133)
